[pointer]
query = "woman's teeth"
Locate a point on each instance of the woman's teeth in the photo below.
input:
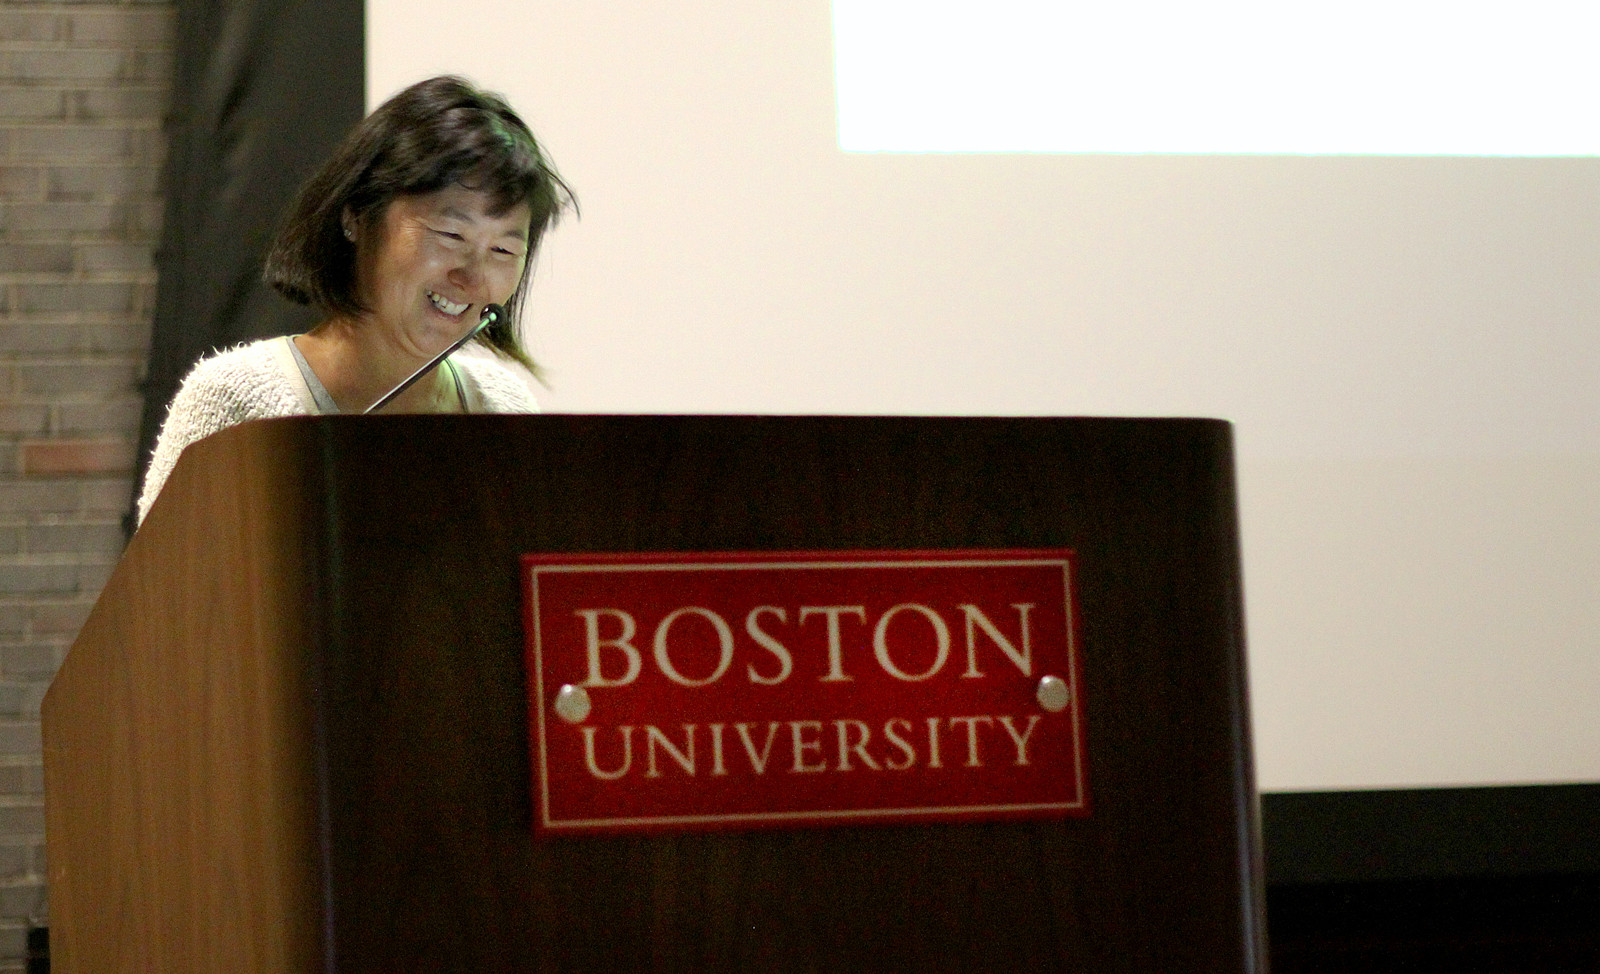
(450, 308)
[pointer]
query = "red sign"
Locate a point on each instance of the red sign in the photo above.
(778, 689)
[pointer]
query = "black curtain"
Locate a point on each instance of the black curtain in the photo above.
(263, 90)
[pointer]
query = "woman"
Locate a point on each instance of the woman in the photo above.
(432, 209)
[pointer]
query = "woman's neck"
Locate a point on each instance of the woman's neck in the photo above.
(357, 366)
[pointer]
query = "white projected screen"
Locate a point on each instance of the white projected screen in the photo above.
(1407, 345)
(1363, 77)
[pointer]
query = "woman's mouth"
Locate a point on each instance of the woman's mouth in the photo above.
(446, 306)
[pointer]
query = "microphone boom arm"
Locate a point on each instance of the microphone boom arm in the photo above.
(491, 314)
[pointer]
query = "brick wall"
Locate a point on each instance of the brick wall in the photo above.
(83, 87)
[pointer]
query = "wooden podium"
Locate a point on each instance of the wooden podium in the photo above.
(293, 735)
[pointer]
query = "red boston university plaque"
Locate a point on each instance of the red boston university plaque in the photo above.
(779, 689)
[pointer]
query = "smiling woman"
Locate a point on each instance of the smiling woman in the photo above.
(431, 210)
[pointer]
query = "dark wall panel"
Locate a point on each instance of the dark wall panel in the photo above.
(1430, 833)
(264, 90)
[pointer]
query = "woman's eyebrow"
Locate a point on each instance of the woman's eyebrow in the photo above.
(453, 213)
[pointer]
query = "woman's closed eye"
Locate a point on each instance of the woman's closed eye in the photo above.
(452, 238)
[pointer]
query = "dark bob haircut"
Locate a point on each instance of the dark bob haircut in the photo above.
(434, 134)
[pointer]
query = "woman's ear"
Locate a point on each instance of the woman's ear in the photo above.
(347, 220)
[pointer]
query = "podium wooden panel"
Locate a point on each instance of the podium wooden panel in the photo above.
(293, 733)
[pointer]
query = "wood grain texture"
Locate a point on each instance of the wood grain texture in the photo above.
(409, 543)
(179, 801)
(433, 864)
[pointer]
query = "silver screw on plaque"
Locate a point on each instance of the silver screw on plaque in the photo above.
(572, 703)
(1052, 694)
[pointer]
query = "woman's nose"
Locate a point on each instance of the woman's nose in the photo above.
(468, 271)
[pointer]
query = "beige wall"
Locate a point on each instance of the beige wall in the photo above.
(1407, 346)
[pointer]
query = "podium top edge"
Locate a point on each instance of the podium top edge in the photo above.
(931, 418)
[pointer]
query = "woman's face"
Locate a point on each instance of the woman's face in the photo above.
(438, 259)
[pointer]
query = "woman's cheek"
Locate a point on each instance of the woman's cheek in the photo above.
(507, 285)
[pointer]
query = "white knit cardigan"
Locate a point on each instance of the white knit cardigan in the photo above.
(262, 380)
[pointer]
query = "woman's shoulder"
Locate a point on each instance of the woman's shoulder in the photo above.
(221, 390)
(244, 382)
(493, 386)
(251, 360)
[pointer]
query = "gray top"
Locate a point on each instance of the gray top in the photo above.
(319, 392)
